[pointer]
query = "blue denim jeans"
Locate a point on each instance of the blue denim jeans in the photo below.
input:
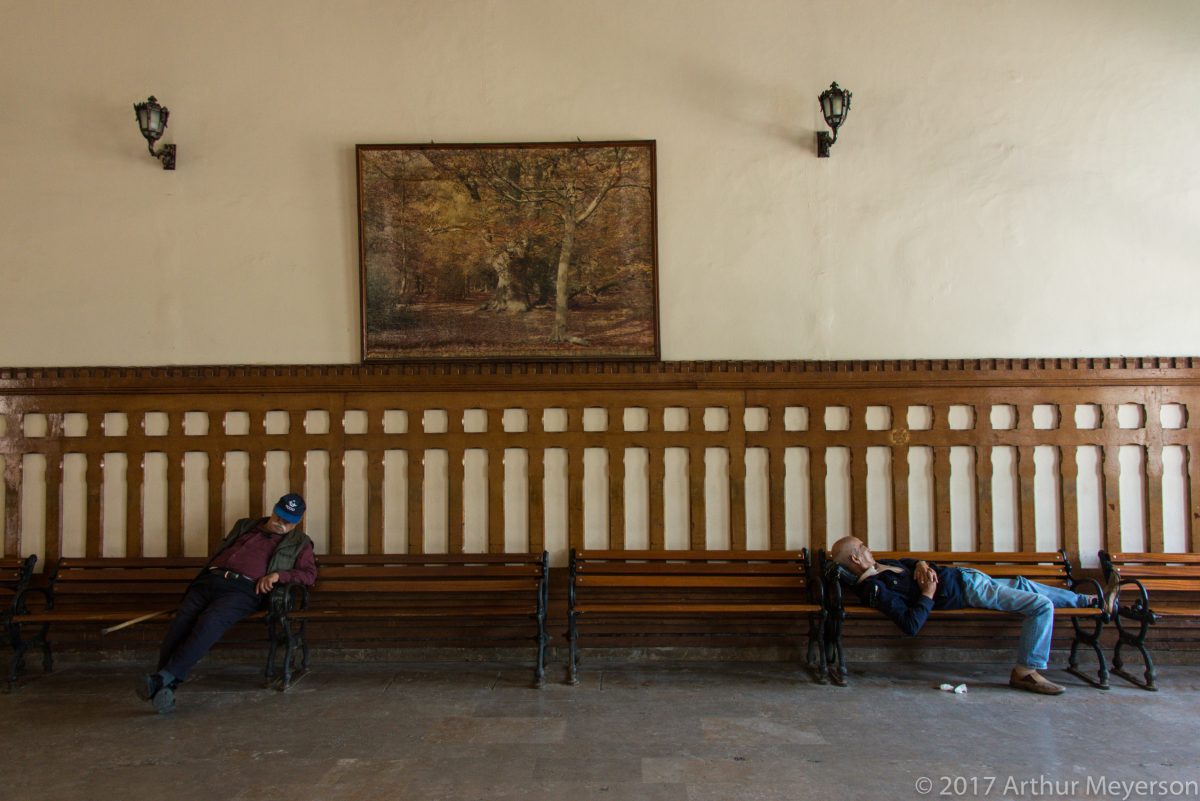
(1033, 601)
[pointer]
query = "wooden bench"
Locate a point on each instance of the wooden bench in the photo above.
(738, 586)
(1052, 568)
(455, 590)
(1174, 581)
(107, 590)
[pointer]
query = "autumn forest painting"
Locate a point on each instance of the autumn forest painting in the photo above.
(519, 251)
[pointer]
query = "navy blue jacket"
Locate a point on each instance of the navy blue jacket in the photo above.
(899, 596)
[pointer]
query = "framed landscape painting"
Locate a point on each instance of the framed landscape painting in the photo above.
(508, 251)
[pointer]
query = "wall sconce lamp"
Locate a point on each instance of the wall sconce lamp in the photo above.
(152, 119)
(835, 105)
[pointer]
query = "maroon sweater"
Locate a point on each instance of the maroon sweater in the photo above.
(251, 552)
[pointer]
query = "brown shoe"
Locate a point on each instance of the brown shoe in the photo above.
(1035, 683)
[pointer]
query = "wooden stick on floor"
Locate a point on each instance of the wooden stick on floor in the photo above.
(136, 620)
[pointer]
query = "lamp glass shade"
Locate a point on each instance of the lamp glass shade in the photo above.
(835, 105)
(152, 118)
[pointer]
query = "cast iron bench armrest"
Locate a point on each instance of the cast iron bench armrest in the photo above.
(19, 606)
(1175, 575)
(292, 596)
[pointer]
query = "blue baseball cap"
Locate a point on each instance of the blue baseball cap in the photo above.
(290, 508)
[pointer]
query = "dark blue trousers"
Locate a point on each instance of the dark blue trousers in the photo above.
(209, 609)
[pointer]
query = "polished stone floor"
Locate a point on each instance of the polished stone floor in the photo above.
(644, 731)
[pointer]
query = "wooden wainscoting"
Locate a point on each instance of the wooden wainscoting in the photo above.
(58, 427)
(491, 408)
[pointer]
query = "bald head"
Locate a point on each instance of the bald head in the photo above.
(852, 554)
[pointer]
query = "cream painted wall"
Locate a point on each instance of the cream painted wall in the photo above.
(1015, 178)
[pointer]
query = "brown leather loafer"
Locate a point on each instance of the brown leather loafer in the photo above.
(1034, 683)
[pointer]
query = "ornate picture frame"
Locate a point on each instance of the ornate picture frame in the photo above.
(526, 251)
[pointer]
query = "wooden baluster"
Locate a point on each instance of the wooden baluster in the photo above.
(494, 439)
(697, 513)
(455, 455)
(297, 453)
(616, 480)
(337, 475)
(858, 489)
(173, 454)
(776, 478)
(574, 438)
(1152, 474)
(1024, 517)
(1191, 488)
(736, 452)
(940, 469)
(656, 468)
(415, 503)
(93, 536)
(899, 466)
(1068, 499)
(216, 498)
(375, 474)
(818, 519)
(1110, 455)
(12, 489)
(536, 460)
(54, 493)
(858, 479)
(135, 487)
(984, 515)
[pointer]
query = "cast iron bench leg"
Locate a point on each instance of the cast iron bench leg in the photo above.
(1138, 641)
(1091, 639)
(573, 658)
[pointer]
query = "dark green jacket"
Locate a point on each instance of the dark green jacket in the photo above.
(286, 552)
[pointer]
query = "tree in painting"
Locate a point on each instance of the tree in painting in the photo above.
(508, 252)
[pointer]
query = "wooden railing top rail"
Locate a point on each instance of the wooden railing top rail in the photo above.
(500, 376)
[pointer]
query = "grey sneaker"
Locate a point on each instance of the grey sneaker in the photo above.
(148, 685)
(164, 700)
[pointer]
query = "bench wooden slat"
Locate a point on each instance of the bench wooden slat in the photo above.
(127, 588)
(412, 612)
(1013, 571)
(100, 615)
(1121, 559)
(780, 582)
(327, 572)
(697, 608)
(1164, 585)
(1169, 571)
(1169, 610)
(125, 575)
(431, 559)
(660, 568)
(973, 557)
(859, 610)
(705, 556)
(140, 563)
(423, 585)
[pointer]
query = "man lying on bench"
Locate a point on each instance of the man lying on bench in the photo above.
(906, 591)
